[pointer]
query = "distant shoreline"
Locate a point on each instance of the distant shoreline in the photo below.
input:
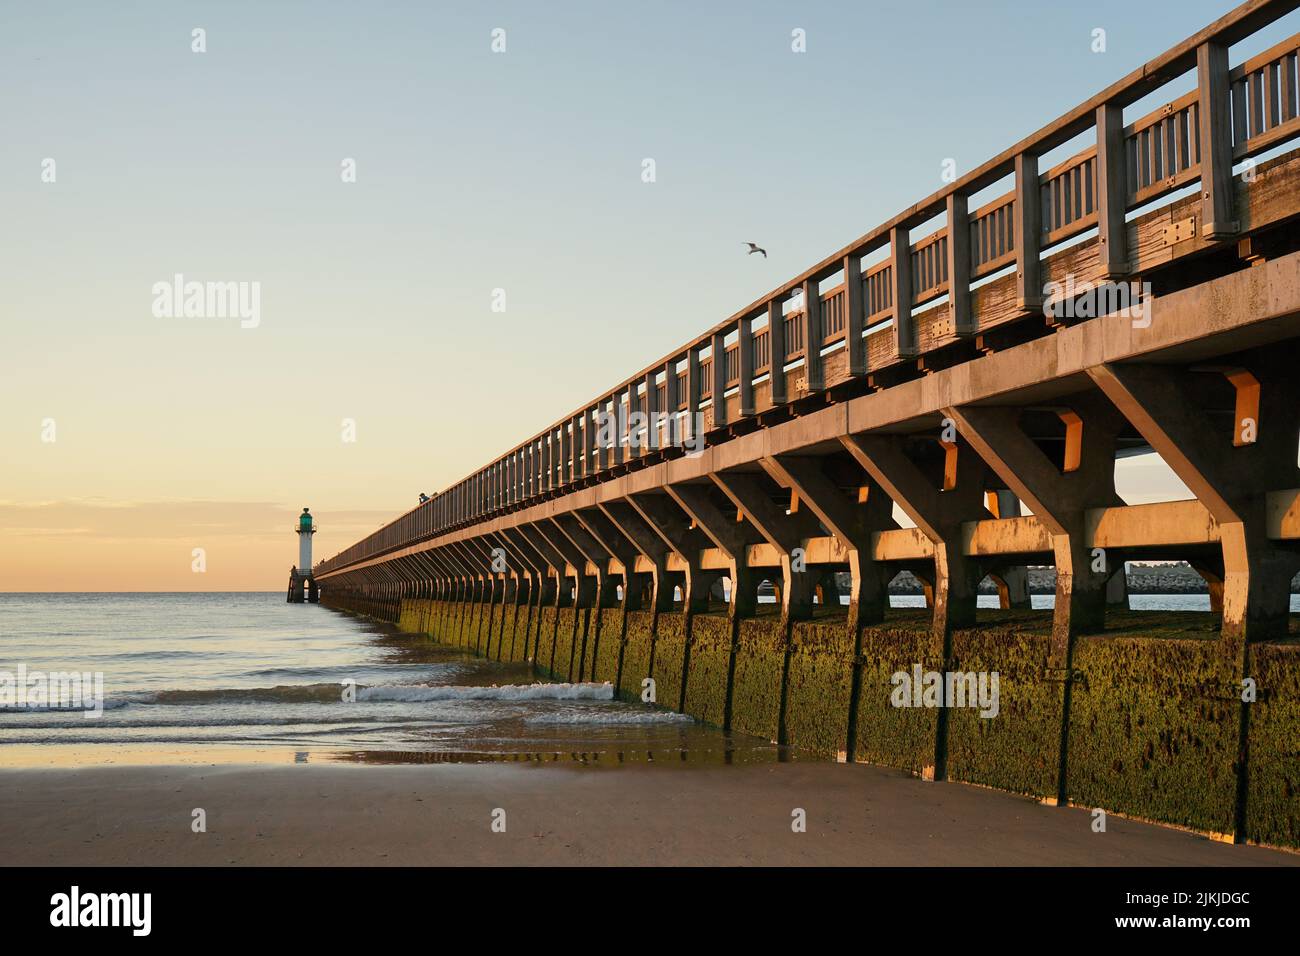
(1160, 580)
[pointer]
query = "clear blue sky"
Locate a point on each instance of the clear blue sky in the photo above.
(475, 171)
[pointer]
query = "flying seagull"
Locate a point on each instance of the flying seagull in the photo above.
(753, 249)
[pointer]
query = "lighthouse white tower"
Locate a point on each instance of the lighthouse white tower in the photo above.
(302, 583)
(305, 531)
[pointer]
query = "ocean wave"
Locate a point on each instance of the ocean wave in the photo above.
(108, 704)
(332, 693)
(283, 693)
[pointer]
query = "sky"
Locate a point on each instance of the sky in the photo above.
(132, 436)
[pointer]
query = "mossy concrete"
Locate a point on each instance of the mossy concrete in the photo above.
(1155, 714)
(1273, 793)
(637, 648)
(506, 631)
(408, 616)
(440, 626)
(758, 677)
(608, 645)
(709, 666)
(819, 686)
(567, 659)
(1019, 748)
(1154, 727)
(544, 654)
(669, 660)
(902, 737)
(584, 645)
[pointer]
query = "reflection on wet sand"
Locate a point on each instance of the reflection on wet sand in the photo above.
(738, 754)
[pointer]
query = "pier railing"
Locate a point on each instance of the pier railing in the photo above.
(887, 300)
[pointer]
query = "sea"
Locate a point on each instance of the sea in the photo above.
(247, 677)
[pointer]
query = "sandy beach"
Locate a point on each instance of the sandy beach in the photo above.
(566, 814)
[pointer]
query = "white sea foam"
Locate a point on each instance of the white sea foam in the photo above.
(415, 694)
(106, 704)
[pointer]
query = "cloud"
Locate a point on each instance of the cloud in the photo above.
(168, 519)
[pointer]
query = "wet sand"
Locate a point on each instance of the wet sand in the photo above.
(339, 814)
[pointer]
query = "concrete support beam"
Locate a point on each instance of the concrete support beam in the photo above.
(1012, 580)
(566, 556)
(629, 522)
(730, 536)
(591, 554)
(938, 513)
(852, 521)
(607, 536)
(787, 533)
(1059, 499)
(687, 543)
(1233, 480)
(533, 536)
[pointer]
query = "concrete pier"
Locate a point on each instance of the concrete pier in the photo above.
(984, 387)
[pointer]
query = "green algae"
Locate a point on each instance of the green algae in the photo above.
(609, 645)
(670, 660)
(709, 668)
(1273, 792)
(544, 655)
(819, 686)
(638, 645)
(1018, 749)
(758, 677)
(902, 737)
(1154, 725)
(565, 663)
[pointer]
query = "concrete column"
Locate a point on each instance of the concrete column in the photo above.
(784, 532)
(532, 535)
(623, 516)
(612, 540)
(731, 537)
(593, 552)
(1059, 499)
(585, 589)
(939, 514)
(1229, 474)
(537, 589)
(851, 522)
(1012, 580)
(667, 519)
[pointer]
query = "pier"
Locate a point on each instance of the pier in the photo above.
(980, 361)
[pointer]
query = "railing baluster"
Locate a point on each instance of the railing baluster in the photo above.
(900, 253)
(651, 407)
(693, 387)
(1112, 190)
(855, 315)
(776, 348)
(812, 336)
(1216, 141)
(1028, 229)
(719, 362)
(958, 264)
(746, 357)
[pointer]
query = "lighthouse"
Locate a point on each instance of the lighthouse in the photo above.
(302, 583)
(305, 531)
